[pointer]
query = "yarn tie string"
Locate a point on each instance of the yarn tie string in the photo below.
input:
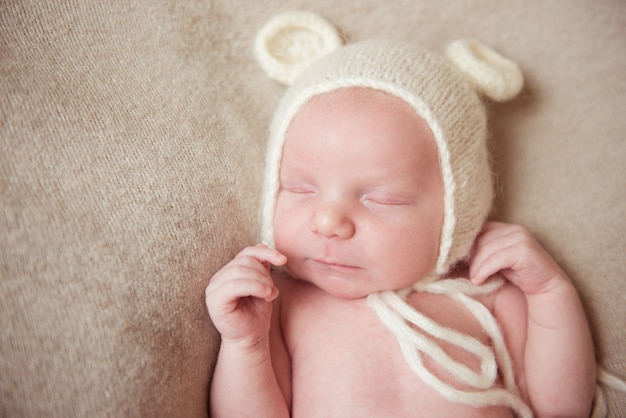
(417, 336)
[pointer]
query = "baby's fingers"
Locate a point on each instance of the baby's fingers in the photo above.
(241, 280)
(240, 308)
(251, 260)
(500, 247)
(264, 254)
(491, 259)
(514, 252)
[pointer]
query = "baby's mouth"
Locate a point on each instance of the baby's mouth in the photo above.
(336, 265)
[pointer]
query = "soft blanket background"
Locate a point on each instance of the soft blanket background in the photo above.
(132, 137)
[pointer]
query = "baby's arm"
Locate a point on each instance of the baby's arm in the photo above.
(558, 361)
(239, 299)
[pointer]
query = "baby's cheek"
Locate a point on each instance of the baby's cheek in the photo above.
(289, 222)
(280, 243)
(284, 236)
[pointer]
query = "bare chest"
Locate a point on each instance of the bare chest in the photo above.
(346, 363)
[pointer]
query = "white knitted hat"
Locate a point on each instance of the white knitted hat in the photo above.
(443, 94)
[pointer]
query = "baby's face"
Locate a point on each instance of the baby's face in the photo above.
(360, 205)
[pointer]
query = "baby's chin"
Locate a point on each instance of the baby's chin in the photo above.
(337, 285)
(336, 282)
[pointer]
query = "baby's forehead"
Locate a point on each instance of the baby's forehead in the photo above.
(380, 110)
(355, 103)
(353, 121)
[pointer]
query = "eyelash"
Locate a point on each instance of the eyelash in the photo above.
(384, 201)
(365, 199)
(300, 190)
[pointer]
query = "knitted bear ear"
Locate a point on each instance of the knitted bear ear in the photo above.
(495, 76)
(291, 41)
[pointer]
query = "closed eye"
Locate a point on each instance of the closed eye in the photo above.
(386, 200)
(299, 190)
(297, 187)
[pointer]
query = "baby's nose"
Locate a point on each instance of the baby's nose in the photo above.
(333, 220)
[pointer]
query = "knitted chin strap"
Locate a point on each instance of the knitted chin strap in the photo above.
(402, 320)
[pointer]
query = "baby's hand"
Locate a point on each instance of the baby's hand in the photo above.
(515, 254)
(239, 296)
